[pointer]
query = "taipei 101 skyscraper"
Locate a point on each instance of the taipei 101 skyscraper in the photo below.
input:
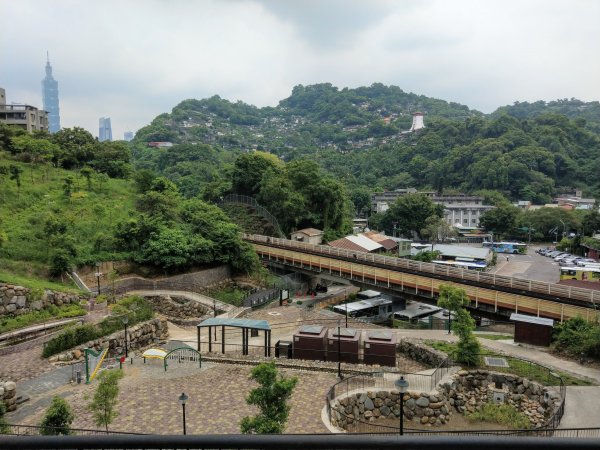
(50, 98)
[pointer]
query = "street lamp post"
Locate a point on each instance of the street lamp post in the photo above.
(182, 399)
(339, 343)
(402, 386)
(125, 321)
(98, 274)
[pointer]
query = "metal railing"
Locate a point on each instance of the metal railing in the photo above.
(290, 441)
(514, 283)
(261, 210)
(36, 430)
(261, 297)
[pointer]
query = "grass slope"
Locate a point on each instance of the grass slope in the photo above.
(90, 214)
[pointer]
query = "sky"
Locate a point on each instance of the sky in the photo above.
(133, 60)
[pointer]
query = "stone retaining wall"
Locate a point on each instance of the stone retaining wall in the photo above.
(471, 389)
(138, 336)
(16, 300)
(178, 307)
(466, 392)
(8, 394)
(417, 350)
(428, 408)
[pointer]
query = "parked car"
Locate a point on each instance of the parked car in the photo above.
(583, 261)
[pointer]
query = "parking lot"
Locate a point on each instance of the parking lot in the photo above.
(531, 266)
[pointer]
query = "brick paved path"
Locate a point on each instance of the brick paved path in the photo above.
(148, 400)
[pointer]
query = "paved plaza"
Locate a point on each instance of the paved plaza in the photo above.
(148, 399)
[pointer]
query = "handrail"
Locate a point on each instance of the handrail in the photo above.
(539, 287)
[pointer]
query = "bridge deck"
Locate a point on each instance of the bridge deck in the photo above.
(513, 294)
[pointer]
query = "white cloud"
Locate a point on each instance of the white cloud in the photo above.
(134, 60)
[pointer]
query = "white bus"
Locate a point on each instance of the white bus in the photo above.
(371, 309)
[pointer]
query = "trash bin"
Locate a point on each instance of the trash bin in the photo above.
(283, 349)
(78, 376)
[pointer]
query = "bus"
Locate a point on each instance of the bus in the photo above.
(472, 265)
(507, 247)
(580, 273)
(372, 308)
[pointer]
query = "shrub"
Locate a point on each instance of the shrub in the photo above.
(58, 418)
(502, 414)
(135, 308)
(576, 336)
(70, 338)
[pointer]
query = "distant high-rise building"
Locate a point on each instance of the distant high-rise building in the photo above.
(50, 98)
(128, 135)
(105, 130)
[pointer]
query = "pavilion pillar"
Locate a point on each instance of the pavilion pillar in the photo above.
(266, 347)
(198, 330)
(223, 339)
(269, 343)
(209, 339)
(244, 341)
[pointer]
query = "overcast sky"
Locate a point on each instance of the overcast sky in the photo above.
(132, 60)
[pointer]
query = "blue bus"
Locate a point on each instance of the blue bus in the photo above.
(507, 247)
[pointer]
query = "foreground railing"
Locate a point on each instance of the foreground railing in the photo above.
(304, 442)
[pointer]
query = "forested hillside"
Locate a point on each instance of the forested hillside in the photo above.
(573, 109)
(526, 152)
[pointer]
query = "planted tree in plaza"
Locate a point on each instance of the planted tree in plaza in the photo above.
(104, 403)
(4, 429)
(58, 418)
(271, 398)
(456, 300)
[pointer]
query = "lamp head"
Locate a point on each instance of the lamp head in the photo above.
(401, 385)
(183, 398)
(125, 320)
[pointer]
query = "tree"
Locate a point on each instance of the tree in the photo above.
(103, 405)
(410, 212)
(87, 173)
(15, 174)
(60, 262)
(249, 169)
(436, 229)
(501, 220)
(4, 428)
(456, 300)
(271, 398)
(68, 184)
(58, 418)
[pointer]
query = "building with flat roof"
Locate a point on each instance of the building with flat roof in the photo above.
(462, 209)
(23, 116)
